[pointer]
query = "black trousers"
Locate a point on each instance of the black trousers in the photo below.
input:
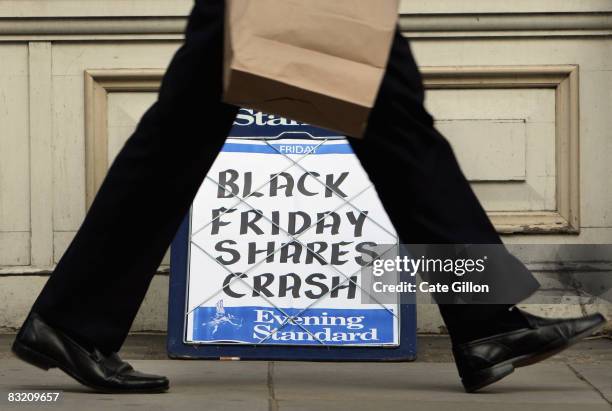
(99, 284)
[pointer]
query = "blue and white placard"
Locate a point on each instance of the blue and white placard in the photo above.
(278, 232)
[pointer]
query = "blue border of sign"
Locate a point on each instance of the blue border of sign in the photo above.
(178, 349)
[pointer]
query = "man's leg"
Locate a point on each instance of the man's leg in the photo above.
(430, 202)
(96, 289)
(424, 191)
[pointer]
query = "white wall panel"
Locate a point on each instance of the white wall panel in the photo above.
(14, 156)
(14, 248)
(488, 6)
(17, 294)
(124, 112)
(78, 8)
(488, 149)
(504, 140)
(70, 61)
(594, 59)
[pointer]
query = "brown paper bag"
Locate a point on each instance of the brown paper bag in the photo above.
(316, 61)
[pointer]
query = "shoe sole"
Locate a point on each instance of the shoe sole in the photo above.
(45, 363)
(493, 374)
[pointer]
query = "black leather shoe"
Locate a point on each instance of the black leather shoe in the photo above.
(485, 361)
(39, 344)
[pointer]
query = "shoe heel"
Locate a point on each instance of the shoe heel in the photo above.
(32, 357)
(486, 377)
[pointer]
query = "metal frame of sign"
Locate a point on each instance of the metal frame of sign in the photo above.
(180, 349)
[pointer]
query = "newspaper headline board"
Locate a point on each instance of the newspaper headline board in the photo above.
(272, 251)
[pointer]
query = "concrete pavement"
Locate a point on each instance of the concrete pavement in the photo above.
(575, 382)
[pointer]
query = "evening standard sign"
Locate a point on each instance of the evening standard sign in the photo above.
(279, 233)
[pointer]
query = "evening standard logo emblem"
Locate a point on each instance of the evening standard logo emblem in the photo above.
(254, 325)
(223, 318)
